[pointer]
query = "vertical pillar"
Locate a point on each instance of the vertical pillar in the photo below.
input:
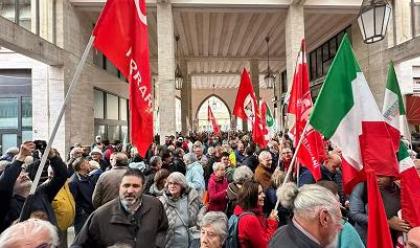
(185, 99)
(255, 72)
(166, 69)
(402, 22)
(46, 19)
(295, 32)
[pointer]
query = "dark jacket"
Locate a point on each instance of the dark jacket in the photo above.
(251, 162)
(307, 178)
(82, 189)
(290, 237)
(43, 197)
(7, 180)
(111, 224)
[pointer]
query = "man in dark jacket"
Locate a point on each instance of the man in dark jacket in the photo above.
(329, 172)
(39, 204)
(8, 179)
(133, 219)
(317, 219)
(81, 186)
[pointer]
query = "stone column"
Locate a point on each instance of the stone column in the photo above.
(46, 19)
(186, 99)
(295, 32)
(402, 22)
(255, 72)
(166, 69)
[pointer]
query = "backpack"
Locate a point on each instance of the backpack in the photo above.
(232, 240)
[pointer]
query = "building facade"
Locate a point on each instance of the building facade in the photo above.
(42, 41)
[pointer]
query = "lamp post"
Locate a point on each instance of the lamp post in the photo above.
(269, 76)
(179, 79)
(373, 20)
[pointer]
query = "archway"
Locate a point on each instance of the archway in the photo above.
(220, 110)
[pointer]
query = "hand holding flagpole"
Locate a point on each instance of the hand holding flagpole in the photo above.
(290, 169)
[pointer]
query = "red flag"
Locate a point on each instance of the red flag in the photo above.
(212, 120)
(311, 152)
(378, 235)
(121, 35)
(246, 103)
(410, 196)
(259, 129)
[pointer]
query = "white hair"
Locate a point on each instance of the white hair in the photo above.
(263, 155)
(189, 158)
(307, 200)
(216, 166)
(218, 221)
(211, 150)
(242, 174)
(24, 231)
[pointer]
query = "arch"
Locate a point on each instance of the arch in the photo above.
(207, 98)
(220, 109)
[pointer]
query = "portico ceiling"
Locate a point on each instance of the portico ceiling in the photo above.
(217, 43)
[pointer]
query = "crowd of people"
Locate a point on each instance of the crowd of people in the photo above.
(201, 190)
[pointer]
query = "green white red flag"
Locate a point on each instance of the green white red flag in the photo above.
(121, 34)
(394, 111)
(346, 113)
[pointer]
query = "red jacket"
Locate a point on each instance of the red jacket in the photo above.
(254, 231)
(217, 190)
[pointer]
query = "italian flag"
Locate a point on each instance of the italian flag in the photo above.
(393, 112)
(346, 113)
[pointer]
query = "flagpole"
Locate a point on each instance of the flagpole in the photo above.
(289, 170)
(73, 83)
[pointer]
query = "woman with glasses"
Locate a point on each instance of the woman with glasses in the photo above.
(181, 204)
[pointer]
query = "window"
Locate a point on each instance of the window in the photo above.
(111, 107)
(99, 104)
(321, 58)
(19, 11)
(102, 62)
(111, 116)
(15, 107)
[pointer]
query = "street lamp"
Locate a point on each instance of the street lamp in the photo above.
(373, 20)
(269, 76)
(179, 79)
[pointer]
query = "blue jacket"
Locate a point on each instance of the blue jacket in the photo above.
(195, 177)
(358, 209)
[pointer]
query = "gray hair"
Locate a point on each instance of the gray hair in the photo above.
(211, 150)
(3, 164)
(242, 174)
(307, 200)
(216, 166)
(24, 231)
(189, 158)
(179, 178)
(155, 160)
(218, 221)
(263, 155)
